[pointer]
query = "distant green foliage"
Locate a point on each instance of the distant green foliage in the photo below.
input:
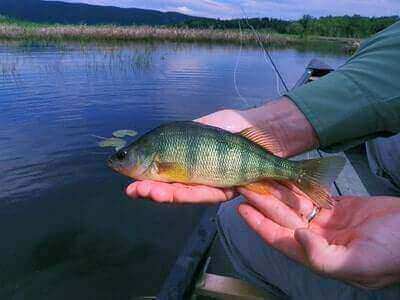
(347, 26)
(4, 20)
(343, 32)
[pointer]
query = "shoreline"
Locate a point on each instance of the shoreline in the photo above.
(112, 34)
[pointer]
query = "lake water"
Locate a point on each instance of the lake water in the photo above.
(67, 229)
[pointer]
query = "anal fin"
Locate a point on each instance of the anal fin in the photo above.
(259, 187)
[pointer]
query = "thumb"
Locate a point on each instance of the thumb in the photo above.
(316, 248)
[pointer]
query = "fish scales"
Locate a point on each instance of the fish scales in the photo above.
(189, 152)
(219, 159)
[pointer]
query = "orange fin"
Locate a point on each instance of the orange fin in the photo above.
(320, 195)
(259, 187)
(316, 176)
(262, 138)
(172, 171)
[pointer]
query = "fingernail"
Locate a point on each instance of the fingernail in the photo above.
(129, 189)
(242, 210)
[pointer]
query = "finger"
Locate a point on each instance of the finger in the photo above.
(323, 257)
(202, 194)
(294, 189)
(156, 191)
(165, 192)
(131, 190)
(291, 195)
(274, 209)
(338, 217)
(279, 237)
(230, 120)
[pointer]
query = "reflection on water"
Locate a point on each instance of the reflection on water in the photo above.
(67, 228)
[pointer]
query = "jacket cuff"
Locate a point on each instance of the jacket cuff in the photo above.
(337, 109)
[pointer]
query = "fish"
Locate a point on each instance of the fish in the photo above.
(192, 153)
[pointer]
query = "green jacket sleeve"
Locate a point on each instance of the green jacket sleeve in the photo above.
(360, 100)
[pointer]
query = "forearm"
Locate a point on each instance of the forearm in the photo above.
(359, 101)
(283, 119)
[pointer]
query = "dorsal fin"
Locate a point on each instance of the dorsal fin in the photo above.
(262, 138)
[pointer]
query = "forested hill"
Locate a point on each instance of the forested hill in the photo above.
(78, 13)
(345, 26)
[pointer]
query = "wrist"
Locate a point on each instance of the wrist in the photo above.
(287, 123)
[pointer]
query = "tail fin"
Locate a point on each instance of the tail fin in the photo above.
(316, 177)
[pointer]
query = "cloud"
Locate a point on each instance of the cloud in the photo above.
(286, 9)
(184, 10)
(290, 9)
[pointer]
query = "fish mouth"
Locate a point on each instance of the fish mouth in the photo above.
(109, 163)
(121, 170)
(134, 172)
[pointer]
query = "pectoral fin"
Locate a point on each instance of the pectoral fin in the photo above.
(172, 171)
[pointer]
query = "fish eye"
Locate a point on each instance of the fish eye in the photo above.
(122, 154)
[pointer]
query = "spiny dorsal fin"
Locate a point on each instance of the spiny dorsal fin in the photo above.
(262, 138)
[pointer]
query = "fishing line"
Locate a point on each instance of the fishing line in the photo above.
(267, 55)
(268, 59)
(237, 66)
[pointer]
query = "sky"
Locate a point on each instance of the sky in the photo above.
(284, 9)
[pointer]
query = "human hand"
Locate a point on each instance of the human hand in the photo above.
(283, 121)
(357, 242)
(281, 118)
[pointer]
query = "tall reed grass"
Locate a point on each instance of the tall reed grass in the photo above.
(148, 33)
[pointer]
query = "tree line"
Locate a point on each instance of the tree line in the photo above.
(345, 26)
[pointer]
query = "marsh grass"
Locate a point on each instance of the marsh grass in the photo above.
(33, 32)
(114, 59)
(110, 57)
(9, 67)
(95, 58)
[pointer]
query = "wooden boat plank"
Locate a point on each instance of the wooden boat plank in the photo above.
(180, 279)
(227, 288)
(348, 182)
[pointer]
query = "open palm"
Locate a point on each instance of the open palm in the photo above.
(358, 241)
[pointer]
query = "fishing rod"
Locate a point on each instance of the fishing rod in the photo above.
(266, 52)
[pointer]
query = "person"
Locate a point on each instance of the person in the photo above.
(350, 252)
